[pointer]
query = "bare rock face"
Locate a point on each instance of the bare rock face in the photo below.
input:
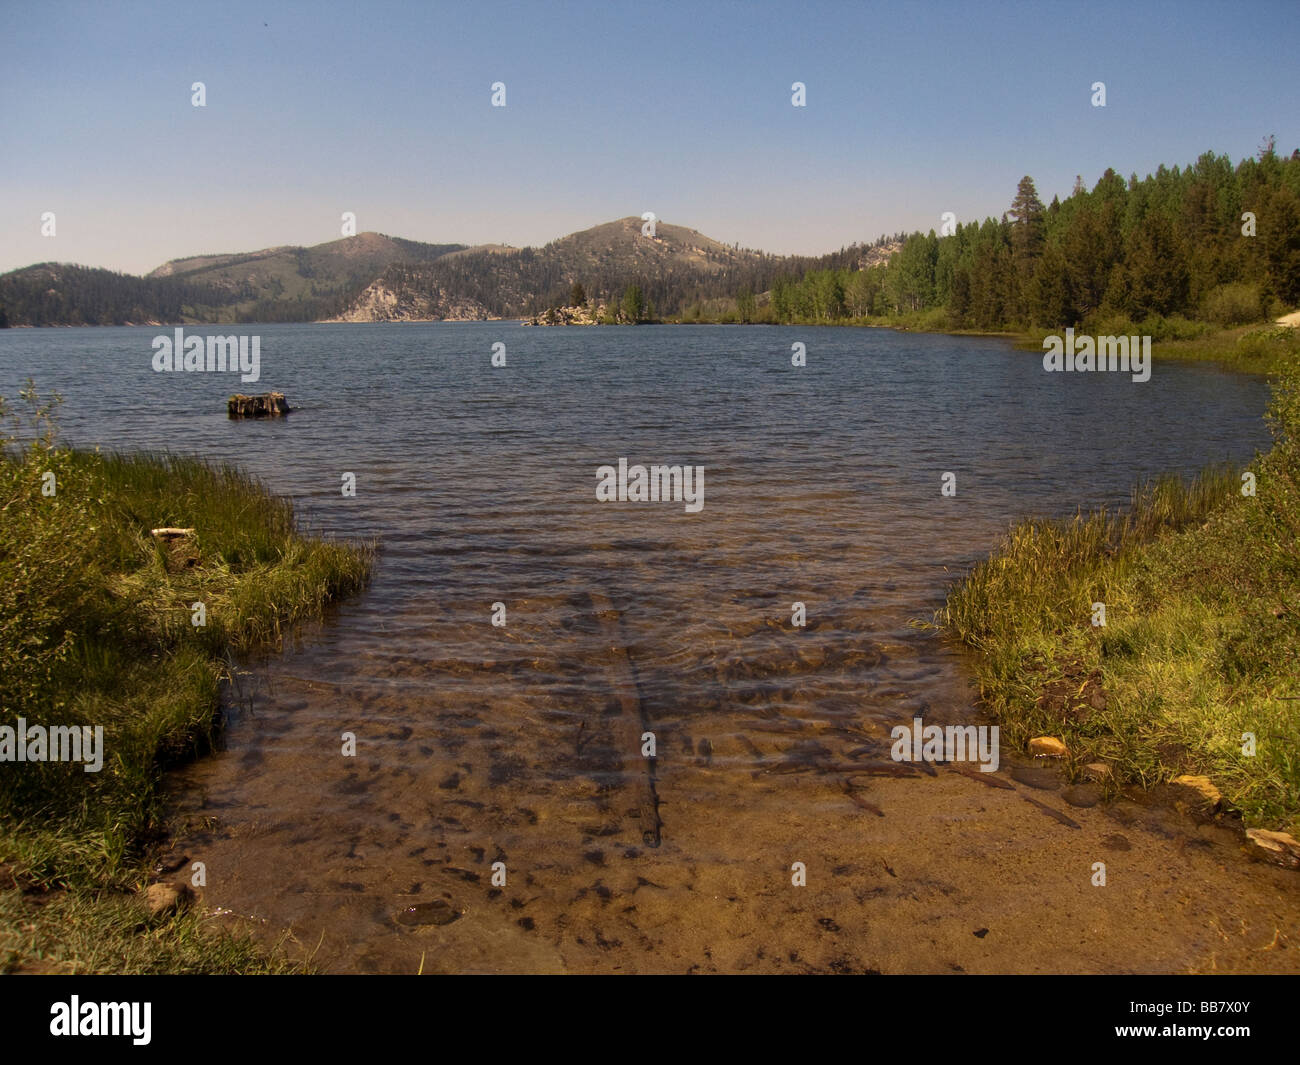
(1047, 747)
(569, 316)
(379, 303)
(1277, 847)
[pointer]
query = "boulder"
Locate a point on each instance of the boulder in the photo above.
(162, 899)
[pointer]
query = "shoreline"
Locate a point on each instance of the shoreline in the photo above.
(131, 632)
(1175, 683)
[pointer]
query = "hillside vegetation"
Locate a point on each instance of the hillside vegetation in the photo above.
(1170, 255)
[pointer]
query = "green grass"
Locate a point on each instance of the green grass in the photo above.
(96, 629)
(73, 932)
(1258, 349)
(1201, 645)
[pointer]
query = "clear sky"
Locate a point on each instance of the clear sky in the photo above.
(612, 109)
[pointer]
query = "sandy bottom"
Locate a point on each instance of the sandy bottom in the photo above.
(923, 874)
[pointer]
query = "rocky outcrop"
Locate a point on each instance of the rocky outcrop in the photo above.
(568, 316)
(380, 303)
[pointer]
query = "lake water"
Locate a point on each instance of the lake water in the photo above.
(477, 743)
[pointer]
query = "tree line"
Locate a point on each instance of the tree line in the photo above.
(1212, 242)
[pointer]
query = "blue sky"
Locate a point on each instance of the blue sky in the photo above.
(612, 109)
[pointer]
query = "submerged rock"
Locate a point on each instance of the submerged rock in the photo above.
(437, 912)
(1276, 846)
(1083, 795)
(1206, 793)
(1036, 777)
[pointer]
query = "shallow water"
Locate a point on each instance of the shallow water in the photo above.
(477, 743)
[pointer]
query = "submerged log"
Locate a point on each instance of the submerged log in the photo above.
(630, 723)
(268, 404)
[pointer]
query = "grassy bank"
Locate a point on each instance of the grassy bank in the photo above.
(1261, 348)
(1201, 586)
(96, 629)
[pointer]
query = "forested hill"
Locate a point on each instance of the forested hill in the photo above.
(371, 277)
(1212, 242)
(673, 267)
(289, 284)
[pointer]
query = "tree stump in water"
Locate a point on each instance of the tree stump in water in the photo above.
(270, 404)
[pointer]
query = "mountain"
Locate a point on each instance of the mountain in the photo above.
(371, 277)
(294, 283)
(502, 282)
(676, 269)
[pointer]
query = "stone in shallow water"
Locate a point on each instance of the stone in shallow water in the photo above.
(1083, 795)
(1200, 787)
(1035, 777)
(438, 912)
(1276, 846)
(162, 899)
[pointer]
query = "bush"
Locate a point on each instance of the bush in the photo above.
(1233, 304)
(1269, 343)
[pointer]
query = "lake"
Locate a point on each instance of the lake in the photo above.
(480, 743)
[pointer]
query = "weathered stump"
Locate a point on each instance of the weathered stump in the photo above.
(267, 405)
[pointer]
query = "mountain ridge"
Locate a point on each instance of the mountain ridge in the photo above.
(373, 277)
